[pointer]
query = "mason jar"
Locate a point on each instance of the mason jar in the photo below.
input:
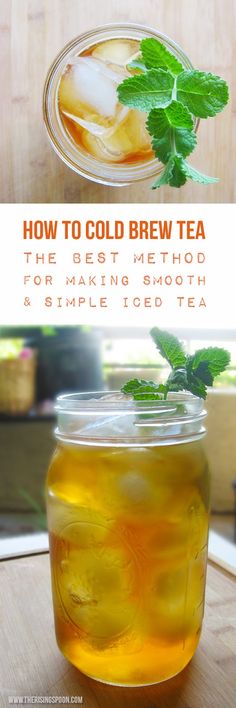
(128, 505)
(115, 157)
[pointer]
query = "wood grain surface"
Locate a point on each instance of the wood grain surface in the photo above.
(31, 663)
(32, 32)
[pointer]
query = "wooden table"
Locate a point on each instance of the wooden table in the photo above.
(31, 664)
(32, 32)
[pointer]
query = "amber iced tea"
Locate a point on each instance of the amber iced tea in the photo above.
(89, 107)
(128, 537)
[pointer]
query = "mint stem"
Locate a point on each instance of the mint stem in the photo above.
(174, 98)
(174, 92)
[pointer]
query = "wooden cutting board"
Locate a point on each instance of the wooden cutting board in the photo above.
(32, 32)
(31, 663)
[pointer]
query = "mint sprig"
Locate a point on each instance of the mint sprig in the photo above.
(193, 373)
(173, 98)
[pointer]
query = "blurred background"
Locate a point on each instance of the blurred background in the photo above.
(36, 364)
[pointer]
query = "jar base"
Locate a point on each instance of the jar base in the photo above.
(127, 684)
(134, 685)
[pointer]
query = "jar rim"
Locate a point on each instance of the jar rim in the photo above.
(93, 418)
(103, 401)
(110, 174)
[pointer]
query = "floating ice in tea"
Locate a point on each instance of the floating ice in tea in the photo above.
(89, 107)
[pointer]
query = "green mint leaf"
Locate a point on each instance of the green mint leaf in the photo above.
(203, 366)
(165, 175)
(197, 387)
(185, 141)
(133, 384)
(136, 384)
(182, 380)
(143, 390)
(195, 175)
(146, 91)
(171, 127)
(169, 347)
(173, 174)
(155, 55)
(202, 372)
(177, 169)
(178, 177)
(177, 380)
(146, 393)
(215, 359)
(174, 116)
(204, 94)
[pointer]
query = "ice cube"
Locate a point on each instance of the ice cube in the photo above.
(106, 126)
(167, 603)
(80, 525)
(95, 588)
(88, 89)
(110, 397)
(130, 137)
(135, 490)
(107, 130)
(103, 625)
(139, 499)
(168, 543)
(117, 51)
(176, 600)
(92, 127)
(86, 534)
(99, 67)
